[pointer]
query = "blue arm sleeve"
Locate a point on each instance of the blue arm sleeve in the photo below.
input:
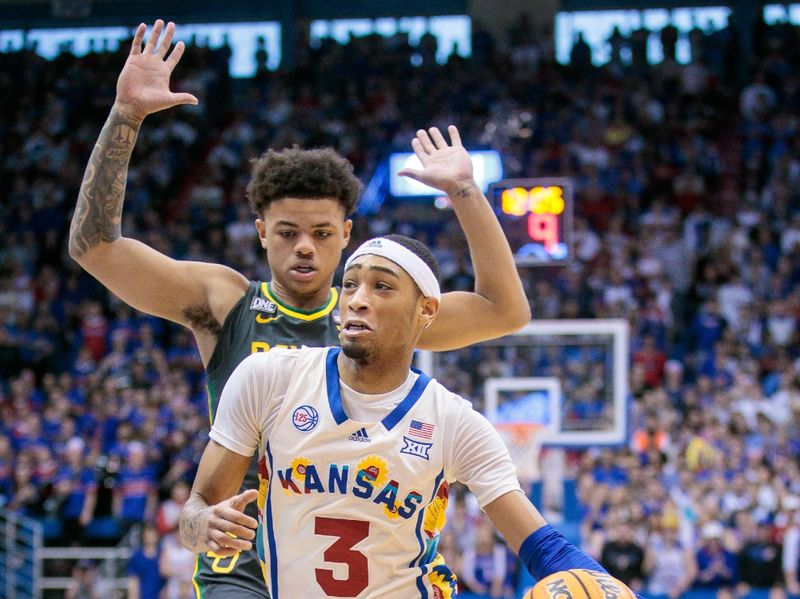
(546, 552)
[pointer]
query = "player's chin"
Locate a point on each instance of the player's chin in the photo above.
(355, 350)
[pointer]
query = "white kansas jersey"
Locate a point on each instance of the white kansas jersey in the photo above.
(354, 508)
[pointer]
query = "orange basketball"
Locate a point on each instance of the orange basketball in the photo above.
(579, 584)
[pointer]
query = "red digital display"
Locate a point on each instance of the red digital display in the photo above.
(536, 215)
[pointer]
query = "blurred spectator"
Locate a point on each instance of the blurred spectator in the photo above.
(651, 437)
(669, 39)
(26, 496)
(170, 510)
(607, 471)
(135, 491)
(757, 99)
(791, 546)
(485, 564)
(759, 561)
(76, 491)
(623, 557)
(733, 296)
(716, 565)
(176, 566)
(94, 329)
(6, 470)
(461, 520)
(669, 564)
(653, 361)
(86, 584)
(143, 566)
(581, 55)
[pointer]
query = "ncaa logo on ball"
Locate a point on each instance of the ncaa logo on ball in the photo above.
(558, 588)
(305, 419)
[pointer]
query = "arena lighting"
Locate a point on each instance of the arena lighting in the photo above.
(487, 168)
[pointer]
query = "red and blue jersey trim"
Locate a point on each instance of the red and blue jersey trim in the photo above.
(418, 560)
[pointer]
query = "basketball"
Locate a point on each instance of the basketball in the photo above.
(579, 584)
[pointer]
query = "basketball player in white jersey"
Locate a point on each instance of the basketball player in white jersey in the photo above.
(356, 453)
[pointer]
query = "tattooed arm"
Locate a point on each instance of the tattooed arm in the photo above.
(498, 305)
(213, 518)
(98, 215)
(189, 293)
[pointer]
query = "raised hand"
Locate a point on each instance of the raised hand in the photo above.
(444, 167)
(143, 84)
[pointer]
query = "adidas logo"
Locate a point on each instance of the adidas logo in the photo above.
(360, 436)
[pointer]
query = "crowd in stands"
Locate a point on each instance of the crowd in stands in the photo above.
(687, 225)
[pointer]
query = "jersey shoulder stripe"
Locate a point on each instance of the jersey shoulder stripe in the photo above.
(335, 396)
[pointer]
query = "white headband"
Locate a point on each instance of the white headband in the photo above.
(406, 259)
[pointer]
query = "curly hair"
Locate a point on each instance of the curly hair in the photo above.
(302, 174)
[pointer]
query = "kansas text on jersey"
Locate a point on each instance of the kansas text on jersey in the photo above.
(354, 488)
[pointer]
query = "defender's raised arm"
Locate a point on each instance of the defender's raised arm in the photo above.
(142, 277)
(142, 88)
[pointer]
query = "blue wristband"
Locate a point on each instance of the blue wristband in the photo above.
(546, 552)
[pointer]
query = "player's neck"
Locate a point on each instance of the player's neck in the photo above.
(306, 302)
(375, 375)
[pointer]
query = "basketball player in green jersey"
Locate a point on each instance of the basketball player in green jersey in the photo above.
(302, 200)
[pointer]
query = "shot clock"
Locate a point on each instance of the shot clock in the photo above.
(536, 215)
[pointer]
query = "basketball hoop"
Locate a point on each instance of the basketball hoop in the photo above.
(524, 442)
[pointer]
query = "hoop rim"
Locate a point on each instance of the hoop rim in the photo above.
(521, 433)
(524, 441)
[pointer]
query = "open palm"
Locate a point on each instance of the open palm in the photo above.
(143, 84)
(444, 166)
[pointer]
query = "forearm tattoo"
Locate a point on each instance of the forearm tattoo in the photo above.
(466, 190)
(98, 214)
(190, 526)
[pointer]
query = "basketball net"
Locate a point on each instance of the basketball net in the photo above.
(524, 442)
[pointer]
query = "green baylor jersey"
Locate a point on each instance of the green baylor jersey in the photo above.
(257, 323)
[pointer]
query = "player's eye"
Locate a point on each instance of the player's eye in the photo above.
(286, 234)
(348, 285)
(323, 234)
(382, 286)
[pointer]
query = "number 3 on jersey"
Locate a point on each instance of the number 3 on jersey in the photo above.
(349, 532)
